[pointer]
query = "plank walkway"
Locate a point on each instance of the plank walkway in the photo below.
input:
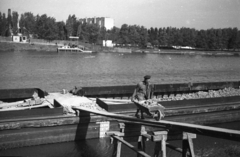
(191, 128)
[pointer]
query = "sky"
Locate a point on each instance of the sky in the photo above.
(198, 14)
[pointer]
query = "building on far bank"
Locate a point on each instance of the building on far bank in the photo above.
(108, 43)
(19, 38)
(101, 21)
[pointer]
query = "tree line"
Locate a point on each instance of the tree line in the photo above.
(46, 27)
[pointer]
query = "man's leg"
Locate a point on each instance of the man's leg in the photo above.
(136, 114)
(142, 117)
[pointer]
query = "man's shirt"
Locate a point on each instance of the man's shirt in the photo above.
(143, 91)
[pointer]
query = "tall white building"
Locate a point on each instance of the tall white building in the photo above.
(101, 21)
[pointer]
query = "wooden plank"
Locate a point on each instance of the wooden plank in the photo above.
(163, 147)
(201, 117)
(174, 148)
(17, 121)
(154, 138)
(192, 128)
(190, 143)
(141, 144)
(117, 145)
(177, 149)
(106, 100)
(160, 148)
(187, 145)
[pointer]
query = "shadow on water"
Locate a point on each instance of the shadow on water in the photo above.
(82, 128)
(81, 133)
(99, 147)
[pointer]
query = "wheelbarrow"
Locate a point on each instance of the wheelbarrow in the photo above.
(151, 108)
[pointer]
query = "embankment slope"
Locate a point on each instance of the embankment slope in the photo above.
(10, 46)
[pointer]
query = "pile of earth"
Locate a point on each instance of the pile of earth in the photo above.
(226, 92)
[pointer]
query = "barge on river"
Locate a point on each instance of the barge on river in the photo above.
(50, 123)
(73, 49)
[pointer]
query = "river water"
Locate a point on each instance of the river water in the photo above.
(52, 71)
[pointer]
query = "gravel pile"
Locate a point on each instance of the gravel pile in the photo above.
(92, 106)
(148, 103)
(226, 92)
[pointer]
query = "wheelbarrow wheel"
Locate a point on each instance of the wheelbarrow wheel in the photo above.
(157, 115)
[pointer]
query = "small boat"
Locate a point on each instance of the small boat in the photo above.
(73, 49)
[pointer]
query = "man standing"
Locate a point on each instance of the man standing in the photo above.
(142, 92)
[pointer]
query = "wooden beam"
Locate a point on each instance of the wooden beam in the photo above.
(140, 152)
(187, 145)
(191, 149)
(192, 128)
(117, 148)
(183, 136)
(176, 149)
(160, 145)
(141, 144)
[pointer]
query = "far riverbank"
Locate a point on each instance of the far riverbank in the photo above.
(13, 46)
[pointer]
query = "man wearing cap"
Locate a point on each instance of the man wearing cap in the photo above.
(142, 91)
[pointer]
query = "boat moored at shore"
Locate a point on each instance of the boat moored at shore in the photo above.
(72, 49)
(61, 123)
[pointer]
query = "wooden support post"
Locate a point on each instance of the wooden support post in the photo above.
(187, 145)
(117, 144)
(141, 144)
(122, 127)
(160, 137)
(142, 115)
(141, 140)
(160, 146)
(163, 146)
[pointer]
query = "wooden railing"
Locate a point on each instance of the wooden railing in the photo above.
(161, 137)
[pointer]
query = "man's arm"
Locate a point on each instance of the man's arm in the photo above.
(134, 95)
(133, 99)
(150, 91)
